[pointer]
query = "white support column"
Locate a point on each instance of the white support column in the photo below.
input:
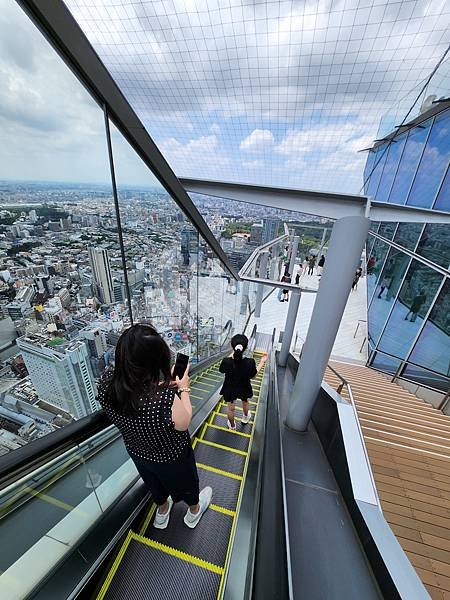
(289, 327)
(344, 252)
(244, 297)
(294, 251)
(260, 291)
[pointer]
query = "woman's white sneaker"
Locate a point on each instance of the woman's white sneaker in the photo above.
(246, 418)
(205, 496)
(230, 426)
(161, 521)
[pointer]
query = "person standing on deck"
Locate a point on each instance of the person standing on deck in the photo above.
(238, 374)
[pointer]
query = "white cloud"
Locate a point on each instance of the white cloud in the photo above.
(257, 141)
(203, 152)
(253, 164)
(214, 128)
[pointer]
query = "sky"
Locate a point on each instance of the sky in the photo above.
(283, 92)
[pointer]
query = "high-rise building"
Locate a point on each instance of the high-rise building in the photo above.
(101, 271)
(271, 226)
(60, 372)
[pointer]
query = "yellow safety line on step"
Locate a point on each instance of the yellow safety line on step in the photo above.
(115, 566)
(247, 435)
(221, 509)
(148, 518)
(194, 560)
(203, 383)
(219, 471)
(226, 448)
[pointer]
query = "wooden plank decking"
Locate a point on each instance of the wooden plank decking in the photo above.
(408, 442)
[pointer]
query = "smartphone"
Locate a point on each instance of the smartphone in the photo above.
(181, 364)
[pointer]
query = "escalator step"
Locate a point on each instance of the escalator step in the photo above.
(147, 572)
(221, 420)
(225, 489)
(208, 541)
(220, 459)
(227, 438)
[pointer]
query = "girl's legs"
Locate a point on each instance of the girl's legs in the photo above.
(230, 413)
(245, 406)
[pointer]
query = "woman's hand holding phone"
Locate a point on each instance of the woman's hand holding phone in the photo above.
(184, 381)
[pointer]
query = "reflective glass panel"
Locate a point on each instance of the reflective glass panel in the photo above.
(387, 230)
(390, 167)
(407, 234)
(385, 363)
(424, 377)
(378, 165)
(374, 265)
(386, 291)
(435, 244)
(416, 295)
(443, 199)
(368, 169)
(408, 164)
(56, 220)
(432, 349)
(433, 164)
(162, 253)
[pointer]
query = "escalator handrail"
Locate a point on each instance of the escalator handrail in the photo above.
(18, 463)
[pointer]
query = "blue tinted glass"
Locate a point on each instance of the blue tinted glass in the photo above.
(368, 169)
(443, 199)
(432, 349)
(374, 264)
(387, 230)
(433, 164)
(380, 159)
(408, 164)
(390, 168)
(386, 291)
(416, 294)
(385, 363)
(435, 244)
(407, 234)
(427, 378)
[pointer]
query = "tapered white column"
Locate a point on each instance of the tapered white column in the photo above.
(260, 290)
(289, 327)
(344, 253)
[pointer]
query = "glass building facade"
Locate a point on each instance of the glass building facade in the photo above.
(408, 286)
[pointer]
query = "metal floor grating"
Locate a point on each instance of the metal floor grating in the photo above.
(227, 438)
(178, 562)
(208, 541)
(226, 489)
(221, 420)
(220, 459)
(167, 576)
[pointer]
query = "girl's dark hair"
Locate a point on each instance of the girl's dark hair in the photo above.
(142, 360)
(236, 340)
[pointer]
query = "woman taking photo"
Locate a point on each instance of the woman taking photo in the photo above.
(238, 373)
(153, 414)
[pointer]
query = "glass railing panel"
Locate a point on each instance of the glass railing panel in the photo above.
(59, 319)
(162, 251)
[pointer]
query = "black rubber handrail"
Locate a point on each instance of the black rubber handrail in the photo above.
(18, 462)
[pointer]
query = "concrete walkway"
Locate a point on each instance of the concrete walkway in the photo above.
(273, 314)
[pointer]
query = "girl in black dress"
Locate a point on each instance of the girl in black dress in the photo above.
(238, 373)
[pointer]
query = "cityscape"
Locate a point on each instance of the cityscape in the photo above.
(64, 298)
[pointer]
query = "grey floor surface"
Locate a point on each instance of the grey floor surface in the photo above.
(328, 562)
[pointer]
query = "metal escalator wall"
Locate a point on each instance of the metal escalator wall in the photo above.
(179, 562)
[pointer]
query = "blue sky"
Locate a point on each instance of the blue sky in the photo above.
(278, 92)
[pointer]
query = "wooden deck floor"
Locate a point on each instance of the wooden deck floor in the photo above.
(408, 442)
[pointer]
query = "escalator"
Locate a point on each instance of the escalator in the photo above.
(78, 519)
(179, 562)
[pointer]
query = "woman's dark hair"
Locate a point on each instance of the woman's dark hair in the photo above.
(239, 340)
(142, 360)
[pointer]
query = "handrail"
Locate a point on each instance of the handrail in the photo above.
(339, 389)
(443, 403)
(40, 451)
(257, 251)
